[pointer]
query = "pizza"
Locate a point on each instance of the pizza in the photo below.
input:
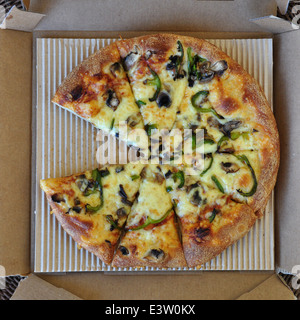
(174, 95)
(93, 206)
(151, 238)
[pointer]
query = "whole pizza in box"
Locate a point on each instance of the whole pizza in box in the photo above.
(209, 145)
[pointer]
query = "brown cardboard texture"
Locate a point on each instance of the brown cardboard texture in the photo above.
(209, 19)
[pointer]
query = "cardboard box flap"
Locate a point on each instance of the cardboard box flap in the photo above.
(271, 289)
(34, 288)
(21, 20)
(188, 15)
(275, 24)
(263, 287)
(15, 142)
(287, 113)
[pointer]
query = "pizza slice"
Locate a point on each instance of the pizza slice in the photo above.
(210, 220)
(225, 101)
(156, 67)
(151, 236)
(243, 175)
(92, 207)
(98, 91)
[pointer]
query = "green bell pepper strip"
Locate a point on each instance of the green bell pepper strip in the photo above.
(205, 141)
(190, 60)
(180, 60)
(169, 189)
(140, 103)
(154, 82)
(217, 183)
(112, 222)
(245, 160)
(179, 175)
(213, 215)
(194, 99)
(112, 124)
(236, 135)
(209, 166)
(134, 177)
(224, 138)
(151, 221)
(150, 127)
(97, 176)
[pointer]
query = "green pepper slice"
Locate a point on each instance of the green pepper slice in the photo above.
(112, 222)
(209, 166)
(112, 123)
(179, 175)
(151, 221)
(97, 176)
(154, 82)
(150, 127)
(140, 103)
(217, 183)
(203, 94)
(245, 160)
(134, 177)
(236, 135)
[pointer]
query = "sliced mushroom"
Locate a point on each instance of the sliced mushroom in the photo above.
(229, 167)
(58, 198)
(76, 93)
(121, 212)
(191, 187)
(112, 100)
(155, 255)
(77, 209)
(119, 169)
(206, 74)
(124, 250)
(229, 126)
(82, 183)
(164, 100)
(219, 67)
(196, 198)
(116, 69)
(123, 195)
(214, 123)
(131, 59)
(148, 54)
(134, 119)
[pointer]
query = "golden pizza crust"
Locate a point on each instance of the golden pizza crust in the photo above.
(199, 251)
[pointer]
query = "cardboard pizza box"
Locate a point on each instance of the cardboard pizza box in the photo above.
(127, 18)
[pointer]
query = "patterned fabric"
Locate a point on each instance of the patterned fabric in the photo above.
(6, 5)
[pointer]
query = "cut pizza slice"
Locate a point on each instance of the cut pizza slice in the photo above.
(210, 221)
(92, 207)
(151, 235)
(98, 91)
(156, 67)
(243, 175)
(225, 101)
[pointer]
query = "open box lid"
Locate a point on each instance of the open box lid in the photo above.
(16, 72)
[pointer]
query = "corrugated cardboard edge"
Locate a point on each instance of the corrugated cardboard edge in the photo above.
(271, 289)
(34, 288)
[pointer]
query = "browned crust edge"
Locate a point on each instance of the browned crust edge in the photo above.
(94, 64)
(197, 254)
